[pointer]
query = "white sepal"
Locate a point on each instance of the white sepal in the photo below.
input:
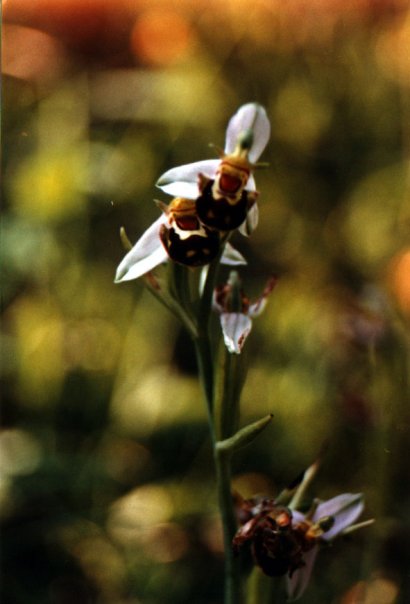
(146, 254)
(251, 116)
(182, 181)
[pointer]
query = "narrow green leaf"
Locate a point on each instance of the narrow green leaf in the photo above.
(244, 436)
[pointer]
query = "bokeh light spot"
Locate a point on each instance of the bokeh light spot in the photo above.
(161, 37)
(20, 453)
(30, 54)
(399, 277)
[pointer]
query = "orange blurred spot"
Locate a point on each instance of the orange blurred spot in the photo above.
(393, 52)
(399, 278)
(376, 591)
(161, 38)
(30, 54)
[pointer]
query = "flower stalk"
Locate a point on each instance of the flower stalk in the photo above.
(212, 199)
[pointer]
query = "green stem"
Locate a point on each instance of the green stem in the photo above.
(223, 480)
(222, 461)
(229, 383)
(206, 375)
(206, 366)
(223, 474)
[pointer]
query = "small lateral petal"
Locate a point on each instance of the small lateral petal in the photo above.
(235, 328)
(251, 116)
(257, 307)
(345, 509)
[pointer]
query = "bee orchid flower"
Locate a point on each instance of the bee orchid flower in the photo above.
(284, 541)
(225, 188)
(236, 311)
(153, 248)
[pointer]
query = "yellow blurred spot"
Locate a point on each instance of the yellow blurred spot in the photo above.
(20, 453)
(39, 333)
(132, 515)
(165, 543)
(149, 397)
(251, 484)
(92, 344)
(161, 37)
(299, 117)
(48, 186)
(375, 222)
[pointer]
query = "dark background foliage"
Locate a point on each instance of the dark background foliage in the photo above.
(107, 491)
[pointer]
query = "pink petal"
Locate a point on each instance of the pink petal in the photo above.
(182, 181)
(344, 508)
(251, 116)
(257, 307)
(297, 584)
(235, 329)
(147, 253)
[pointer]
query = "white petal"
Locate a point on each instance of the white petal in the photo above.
(231, 256)
(251, 221)
(251, 185)
(249, 117)
(144, 253)
(182, 181)
(297, 584)
(235, 329)
(344, 508)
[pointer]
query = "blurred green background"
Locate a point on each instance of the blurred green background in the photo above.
(106, 486)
